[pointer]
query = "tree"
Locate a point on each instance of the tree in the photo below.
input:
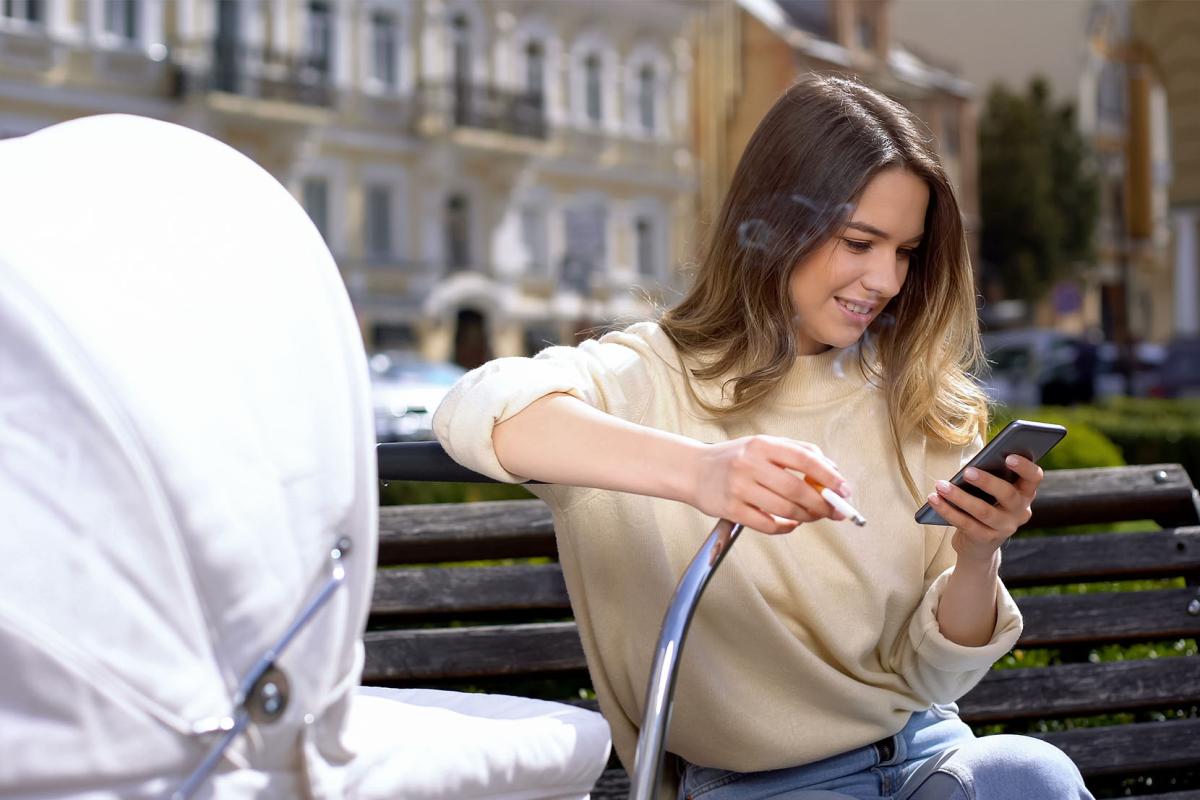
(1039, 196)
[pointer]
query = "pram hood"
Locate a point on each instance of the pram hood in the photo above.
(185, 431)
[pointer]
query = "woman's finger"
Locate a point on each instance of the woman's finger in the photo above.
(806, 507)
(807, 459)
(986, 513)
(1029, 474)
(960, 519)
(1006, 494)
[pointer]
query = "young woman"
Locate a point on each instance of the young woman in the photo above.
(830, 332)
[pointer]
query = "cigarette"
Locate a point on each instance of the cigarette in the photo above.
(838, 502)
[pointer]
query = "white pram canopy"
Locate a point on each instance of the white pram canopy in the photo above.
(185, 432)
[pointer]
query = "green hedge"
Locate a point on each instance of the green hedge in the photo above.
(1084, 445)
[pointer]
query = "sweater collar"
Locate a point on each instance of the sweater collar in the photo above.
(822, 378)
(812, 380)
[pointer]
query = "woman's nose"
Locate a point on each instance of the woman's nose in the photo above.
(886, 274)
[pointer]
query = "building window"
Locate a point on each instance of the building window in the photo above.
(384, 49)
(533, 236)
(814, 16)
(458, 232)
(647, 262)
(315, 198)
(951, 132)
(1110, 96)
(646, 97)
(586, 235)
(539, 337)
(121, 18)
(535, 68)
(865, 28)
(31, 11)
(379, 224)
(592, 87)
(460, 32)
(319, 38)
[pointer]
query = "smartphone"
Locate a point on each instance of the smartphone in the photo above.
(1020, 437)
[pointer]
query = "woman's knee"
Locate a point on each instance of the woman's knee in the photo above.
(1009, 766)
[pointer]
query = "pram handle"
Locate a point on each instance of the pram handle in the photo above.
(427, 461)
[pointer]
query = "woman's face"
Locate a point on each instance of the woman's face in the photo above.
(842, 286)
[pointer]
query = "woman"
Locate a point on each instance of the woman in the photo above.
(829, 332)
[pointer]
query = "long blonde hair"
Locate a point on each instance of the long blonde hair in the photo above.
(795, 186)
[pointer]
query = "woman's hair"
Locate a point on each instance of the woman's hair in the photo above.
(796, 186)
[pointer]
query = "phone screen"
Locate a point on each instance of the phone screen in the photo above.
(1021, 437)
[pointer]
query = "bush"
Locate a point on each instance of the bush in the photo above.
(1084, 445)
(402, 493)
(1151, 431)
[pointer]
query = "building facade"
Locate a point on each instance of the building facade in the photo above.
(491, 175)
(1089, 54)
(749, 51)
(1166, 34)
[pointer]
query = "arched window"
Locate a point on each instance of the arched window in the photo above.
(320, 38)
(535, 68)
(647, 101)
(121, 18)
(458, 233)
(593, 88)
(644, 243)
(385, 49)
(460, 35)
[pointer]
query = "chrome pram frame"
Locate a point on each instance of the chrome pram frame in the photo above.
(262, 693)
(427, 461)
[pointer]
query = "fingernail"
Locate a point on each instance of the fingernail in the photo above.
(844, 489)
(972, 474)
(934, 499)
(943, 486)
(1012, 461)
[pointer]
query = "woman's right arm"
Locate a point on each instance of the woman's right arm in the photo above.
(561, 439)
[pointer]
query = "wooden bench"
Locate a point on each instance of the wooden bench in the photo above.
(488, 625)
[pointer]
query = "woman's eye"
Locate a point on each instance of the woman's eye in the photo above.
(857, 246)
(907, 254)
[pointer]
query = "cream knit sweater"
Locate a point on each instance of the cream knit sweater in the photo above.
(805, 645)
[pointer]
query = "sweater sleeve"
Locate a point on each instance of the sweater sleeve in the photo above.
(937, 669)
(611, 374)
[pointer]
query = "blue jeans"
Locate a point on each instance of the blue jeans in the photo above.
(935, 757)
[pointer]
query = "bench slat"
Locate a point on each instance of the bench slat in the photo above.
(458, 653)
(1083, 689)
(465, 531)
(1053, 620)
(468, 590)
(1041, 560)
(1102, 556)
(1114, 494)
(514, 528)
(1050, 621)
(1121, 749)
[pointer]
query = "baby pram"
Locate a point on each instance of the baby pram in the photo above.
(188, 502)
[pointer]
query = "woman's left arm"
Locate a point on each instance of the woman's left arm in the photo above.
(966, 613)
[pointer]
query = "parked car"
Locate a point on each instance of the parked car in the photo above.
(1030, 363)
(406, 390)
(1038, 366)
(1181, 369)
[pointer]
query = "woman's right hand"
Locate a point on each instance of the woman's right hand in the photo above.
(747, 480)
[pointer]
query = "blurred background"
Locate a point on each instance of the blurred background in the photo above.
(494, 176)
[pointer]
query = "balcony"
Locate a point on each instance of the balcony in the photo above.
(394, 284)
(470, 105)
(263, 74)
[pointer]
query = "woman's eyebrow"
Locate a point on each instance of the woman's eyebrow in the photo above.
(871, 229)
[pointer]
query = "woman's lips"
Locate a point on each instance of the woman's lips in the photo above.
(857, 316)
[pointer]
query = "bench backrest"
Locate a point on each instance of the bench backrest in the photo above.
(436, 622)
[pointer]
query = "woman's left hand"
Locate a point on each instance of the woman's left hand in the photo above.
(983, 527)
